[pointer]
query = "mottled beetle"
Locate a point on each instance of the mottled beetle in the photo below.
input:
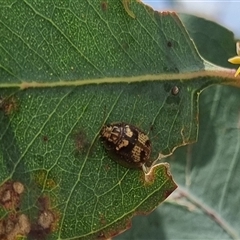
(127, 144)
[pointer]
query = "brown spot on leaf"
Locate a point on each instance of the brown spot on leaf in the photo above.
(102, 219)
(149, 178)
(167, 193)
(101, 236)
(104, 6)
(169, 44)
(152, 127)
(107, 168)
(46, 221)
(18, 187)
(9, 105)
(10, 193)
(13, 226)
(43, 203)
(38, 233)
(81, 141)
(45, 138)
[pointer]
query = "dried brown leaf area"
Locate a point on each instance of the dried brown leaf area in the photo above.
(17, 222)
(14, 223)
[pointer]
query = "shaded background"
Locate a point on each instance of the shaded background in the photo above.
(226, 13)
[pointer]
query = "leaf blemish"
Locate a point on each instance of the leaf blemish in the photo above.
(14, 225)
(45, 138)
(169, 44)
(151, 127)
(104, 6)
(101, 236)
(8, 104)
(149, 178)
(42, 179)
(10, 193)
(81, 142)
(46, 221)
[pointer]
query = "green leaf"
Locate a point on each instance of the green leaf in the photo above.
(206, 201)
(214, 42)
(67, 68)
